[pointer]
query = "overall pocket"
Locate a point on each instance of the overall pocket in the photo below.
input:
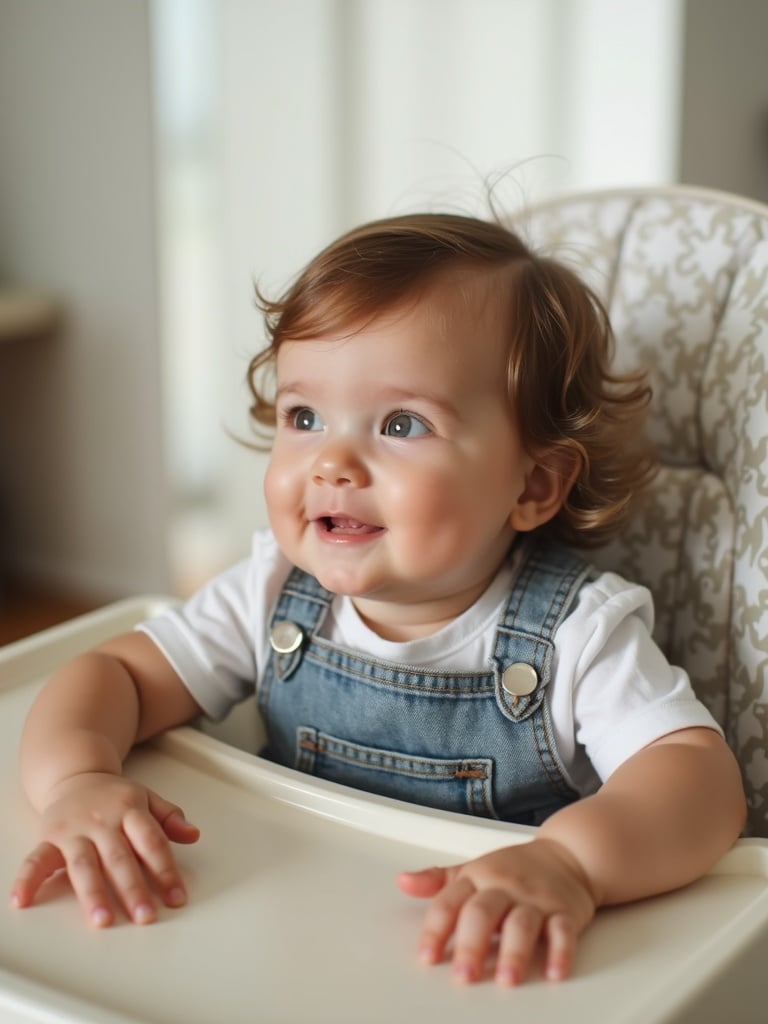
(463, 785)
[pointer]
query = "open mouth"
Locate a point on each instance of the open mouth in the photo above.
(346, 526)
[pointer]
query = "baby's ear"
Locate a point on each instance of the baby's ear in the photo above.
(545, 492)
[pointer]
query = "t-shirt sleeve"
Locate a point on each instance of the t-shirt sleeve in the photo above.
(624, 693)
(215, 640)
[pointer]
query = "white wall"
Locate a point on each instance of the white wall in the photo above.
(620, 101)
(81, 464)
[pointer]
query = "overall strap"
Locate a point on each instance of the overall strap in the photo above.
(549, 580)
(300, 611)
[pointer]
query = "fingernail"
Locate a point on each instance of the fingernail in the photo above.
(100, 916)
(463, 973)
(507, 977)
(15, 900)
(427, 954)
(177, 897)
(143, 913)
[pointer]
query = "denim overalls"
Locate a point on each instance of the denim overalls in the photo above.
(475, 742)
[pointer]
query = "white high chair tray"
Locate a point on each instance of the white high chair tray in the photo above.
(294, 914)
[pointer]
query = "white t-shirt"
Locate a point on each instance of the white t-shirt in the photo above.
(611, 693)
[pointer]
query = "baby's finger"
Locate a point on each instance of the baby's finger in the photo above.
(87, 879)
(520, 933)
(423, 884)
(440, 919)
(150, 842)
(120, 866)
(477, 923)
(178, 829)
(171, 819)
(45, 860)
(561, 946)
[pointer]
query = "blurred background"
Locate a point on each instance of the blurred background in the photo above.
(157, 157)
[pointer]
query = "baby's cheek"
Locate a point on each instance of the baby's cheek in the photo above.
(282, 505)
(429, 522)
(415, 494)
(277, 485)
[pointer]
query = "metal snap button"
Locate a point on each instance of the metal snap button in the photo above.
(285, 637)
(519, 680)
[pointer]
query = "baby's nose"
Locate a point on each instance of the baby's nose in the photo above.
(339, 465)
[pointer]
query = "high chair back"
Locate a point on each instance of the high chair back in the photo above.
(683, 273)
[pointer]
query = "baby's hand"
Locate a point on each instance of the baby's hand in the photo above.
(527, 893)
(108, 832)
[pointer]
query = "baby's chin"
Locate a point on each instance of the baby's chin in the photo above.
(342, 583)
(349, 581)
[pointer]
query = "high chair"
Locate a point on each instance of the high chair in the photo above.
(293, 913)
(683, 273)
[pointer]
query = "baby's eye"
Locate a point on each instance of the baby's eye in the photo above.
(405, 424)
(305, 419)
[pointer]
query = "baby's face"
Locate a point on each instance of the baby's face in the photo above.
(397, 468)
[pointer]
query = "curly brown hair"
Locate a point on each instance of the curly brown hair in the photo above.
(571, 408)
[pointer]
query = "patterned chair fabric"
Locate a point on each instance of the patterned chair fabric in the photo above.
(683, 273)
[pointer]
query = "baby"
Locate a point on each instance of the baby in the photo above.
(418, 623)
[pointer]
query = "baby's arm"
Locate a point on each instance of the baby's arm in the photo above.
(659, 822)
(105, 830)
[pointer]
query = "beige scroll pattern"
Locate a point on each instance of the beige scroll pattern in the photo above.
(684, 274)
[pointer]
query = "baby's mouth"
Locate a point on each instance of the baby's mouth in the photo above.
(345, 526)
